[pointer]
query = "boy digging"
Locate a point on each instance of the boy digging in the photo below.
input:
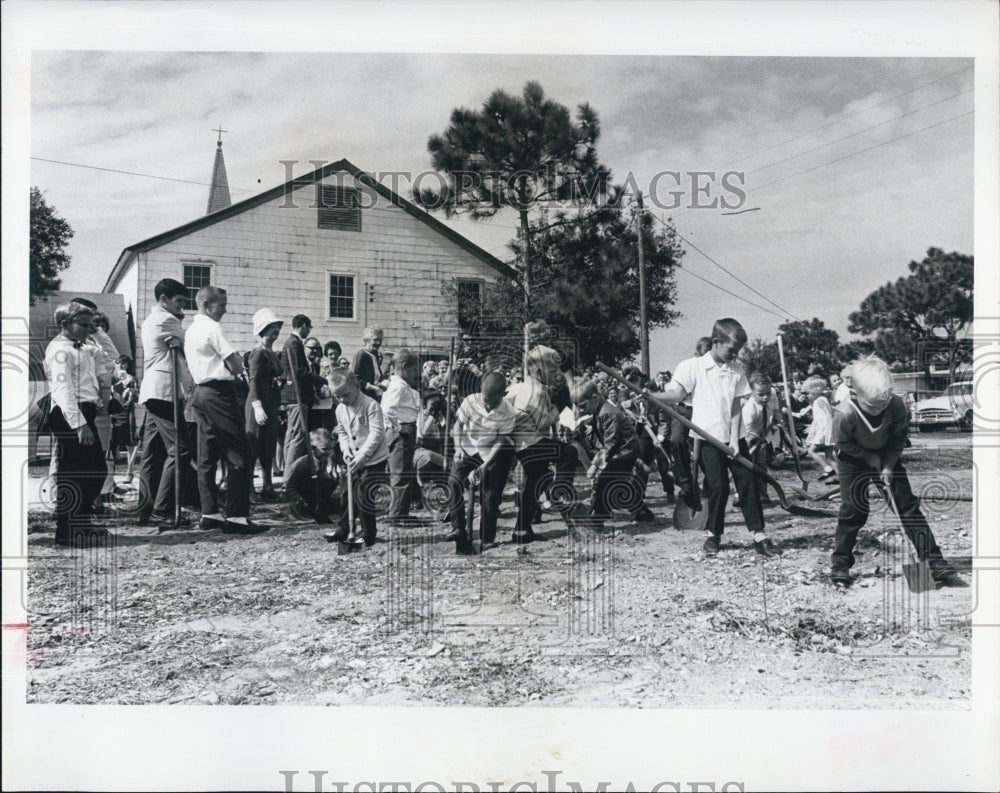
(870, 430)
(718, 387)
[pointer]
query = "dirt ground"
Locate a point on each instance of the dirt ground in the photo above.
(635, 617)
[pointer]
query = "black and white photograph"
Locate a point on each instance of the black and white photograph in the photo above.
(500, 397)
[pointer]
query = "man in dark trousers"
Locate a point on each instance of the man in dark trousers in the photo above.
(80, 467)
(162, 332)
(214, 364)
(296, 365)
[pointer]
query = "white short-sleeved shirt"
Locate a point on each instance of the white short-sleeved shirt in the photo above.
(713, 387)
(206, 349)
(481, 427)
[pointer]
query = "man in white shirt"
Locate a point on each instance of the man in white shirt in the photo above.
(80, 467)
(161, 332)
(214, 365)
(401, 408)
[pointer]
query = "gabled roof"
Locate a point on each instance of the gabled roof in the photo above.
(301, 181)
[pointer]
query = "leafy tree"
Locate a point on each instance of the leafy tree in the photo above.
(49, 236)
(762, 356)
(587, 286)
(516, 152)
(810, 347)
(916, 319)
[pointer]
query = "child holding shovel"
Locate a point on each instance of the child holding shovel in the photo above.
(870, 430)
(361, 433)
(718, 387)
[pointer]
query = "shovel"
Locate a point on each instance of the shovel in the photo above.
(917, 573)
(684, 516)
(722, 447)
(353, 542)
(466, 546)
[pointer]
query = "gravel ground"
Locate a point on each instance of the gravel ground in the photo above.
(635, 617)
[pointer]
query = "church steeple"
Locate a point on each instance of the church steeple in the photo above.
(218, 193)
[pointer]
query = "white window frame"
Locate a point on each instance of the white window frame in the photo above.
(326, 295)
(196, 263)
(473, 280)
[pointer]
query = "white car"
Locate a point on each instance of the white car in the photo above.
(951, 408)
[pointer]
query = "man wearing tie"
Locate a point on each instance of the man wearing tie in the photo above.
(80, 467)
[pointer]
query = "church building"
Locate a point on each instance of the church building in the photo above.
(334, 244)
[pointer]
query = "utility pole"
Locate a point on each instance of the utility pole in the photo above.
(643, 324)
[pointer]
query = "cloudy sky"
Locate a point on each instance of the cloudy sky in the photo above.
(854, 166)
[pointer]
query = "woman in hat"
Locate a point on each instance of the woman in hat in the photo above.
(266, 381)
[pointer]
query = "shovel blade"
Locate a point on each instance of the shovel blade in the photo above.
(685, 519)
(918, 577)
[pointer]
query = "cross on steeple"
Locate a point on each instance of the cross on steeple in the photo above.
(218, 193)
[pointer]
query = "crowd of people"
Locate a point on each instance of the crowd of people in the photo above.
(362, 441)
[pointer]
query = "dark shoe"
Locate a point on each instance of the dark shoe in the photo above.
(711, 546)
(840, 576)
(232, 527)
(949, 578)
(455, 535)
(268, 494)
(340, 535)
(767, 548)
(369, 539)
(644, 515)
(523, 537)
(212, 523)
(166, 521)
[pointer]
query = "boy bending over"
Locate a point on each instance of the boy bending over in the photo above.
(870, 429)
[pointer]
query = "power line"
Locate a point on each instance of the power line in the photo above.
(862, 151)
(738, 297)
(133, 173)
(845, 118)
(728, 272)
(859, 132)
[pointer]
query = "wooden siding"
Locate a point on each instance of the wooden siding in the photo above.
(275, 255)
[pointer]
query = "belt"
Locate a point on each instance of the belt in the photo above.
(219, 384)
(407, 424)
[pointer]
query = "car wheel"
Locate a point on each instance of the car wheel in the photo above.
(965, 423)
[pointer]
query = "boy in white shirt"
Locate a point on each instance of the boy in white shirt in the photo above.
(718, 387)
(483, 427)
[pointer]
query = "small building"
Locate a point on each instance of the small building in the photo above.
(335, 245)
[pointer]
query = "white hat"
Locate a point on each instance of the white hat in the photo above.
(263, 318)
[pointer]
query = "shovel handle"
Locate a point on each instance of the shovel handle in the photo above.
(706, 436)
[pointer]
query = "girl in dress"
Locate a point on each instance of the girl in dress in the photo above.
(819, 438)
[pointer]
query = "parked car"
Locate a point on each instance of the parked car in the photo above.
(960, 399)
(951, 408)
